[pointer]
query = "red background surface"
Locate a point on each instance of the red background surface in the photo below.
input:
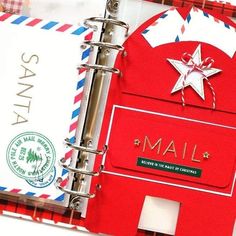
(146, 84)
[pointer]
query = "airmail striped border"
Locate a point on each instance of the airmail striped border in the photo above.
(43, 24)
(82, 32)
(161, 18)
(205, 14)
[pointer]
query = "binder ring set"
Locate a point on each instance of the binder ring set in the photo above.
(97, 67)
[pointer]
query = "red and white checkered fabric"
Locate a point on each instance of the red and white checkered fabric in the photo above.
(12, 6)
(218, 6)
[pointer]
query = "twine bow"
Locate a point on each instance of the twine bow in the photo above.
(207, 63)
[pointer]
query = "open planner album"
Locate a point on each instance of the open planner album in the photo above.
(118, 117)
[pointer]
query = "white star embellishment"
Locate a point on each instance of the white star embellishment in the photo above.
(195, 78)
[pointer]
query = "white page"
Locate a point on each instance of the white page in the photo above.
(40, 81)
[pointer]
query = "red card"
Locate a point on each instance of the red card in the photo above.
(159, 147)
(172, 146)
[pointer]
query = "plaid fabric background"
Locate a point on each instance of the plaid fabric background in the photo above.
(222, 8)
(12, 6)
(149, 233)
(68, 216)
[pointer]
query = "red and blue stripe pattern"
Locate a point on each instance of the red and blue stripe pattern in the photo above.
(84, 34)
(30, 194)
(76, 110)
(163, 16)
(205, 14)
(42, 24)
(75, 116)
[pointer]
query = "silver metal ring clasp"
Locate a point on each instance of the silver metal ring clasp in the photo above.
(86, 149)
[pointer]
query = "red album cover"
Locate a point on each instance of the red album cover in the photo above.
(170, 126)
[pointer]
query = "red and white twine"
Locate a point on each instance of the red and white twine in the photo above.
(207, 63)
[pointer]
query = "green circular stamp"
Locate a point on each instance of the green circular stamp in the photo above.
(31, 155)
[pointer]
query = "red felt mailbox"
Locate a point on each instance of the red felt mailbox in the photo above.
(173, 145)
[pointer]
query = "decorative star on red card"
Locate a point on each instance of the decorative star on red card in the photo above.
(190, 76)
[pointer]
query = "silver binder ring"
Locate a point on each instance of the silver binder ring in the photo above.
(72, 192)
(62, 163)
(86, 149)
(76, 200)
(104, 45)
(105, 20)
(99, 67)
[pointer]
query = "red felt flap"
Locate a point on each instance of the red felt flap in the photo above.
(171, 146)
(158, 76)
